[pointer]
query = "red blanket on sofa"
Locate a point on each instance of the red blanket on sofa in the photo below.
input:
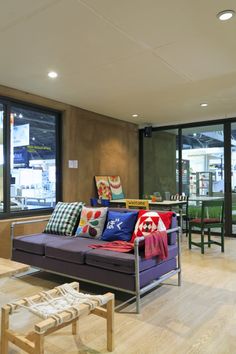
(155, 244)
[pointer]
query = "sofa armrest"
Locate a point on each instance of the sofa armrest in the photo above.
(25, 222)
(176, 230)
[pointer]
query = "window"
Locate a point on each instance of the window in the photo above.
(31, 154)
(1, 157)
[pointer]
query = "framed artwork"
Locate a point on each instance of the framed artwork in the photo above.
(103, 187)
(116, 187)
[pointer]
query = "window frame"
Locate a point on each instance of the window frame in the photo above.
(7, 103)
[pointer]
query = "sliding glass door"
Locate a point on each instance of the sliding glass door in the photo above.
(207, 170)
(233, 176)
(1, 158)
(203, 151)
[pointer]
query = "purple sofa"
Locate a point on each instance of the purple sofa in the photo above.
(71, 256)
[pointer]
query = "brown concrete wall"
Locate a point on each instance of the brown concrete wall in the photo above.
(103, 146)
(160, 163)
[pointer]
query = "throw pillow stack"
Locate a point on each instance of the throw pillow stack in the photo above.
(99, 223)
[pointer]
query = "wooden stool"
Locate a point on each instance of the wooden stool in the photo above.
(33, 342)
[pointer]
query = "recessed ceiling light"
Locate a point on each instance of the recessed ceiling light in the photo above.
(225, 15)
(52, 74)
(135, 115)
(204, 104)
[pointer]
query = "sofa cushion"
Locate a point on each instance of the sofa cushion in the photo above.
(92, 222)
(119, 226)
(123, 262)
(33, 243)
(64, 219)
(69, 249)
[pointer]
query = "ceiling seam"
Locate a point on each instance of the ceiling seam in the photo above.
(114, 26)
(171, 67)
(140, 43)
(28, 16)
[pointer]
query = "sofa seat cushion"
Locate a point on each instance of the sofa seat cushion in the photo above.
(33, 243)
(123, 262)
(69, 249)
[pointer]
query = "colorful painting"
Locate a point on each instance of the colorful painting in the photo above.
(103, 187)
(116, 187)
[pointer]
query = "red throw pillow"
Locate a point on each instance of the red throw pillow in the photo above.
(148, 221)
(166, 217)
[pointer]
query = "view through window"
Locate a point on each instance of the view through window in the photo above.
(33, 159)
(1, 157)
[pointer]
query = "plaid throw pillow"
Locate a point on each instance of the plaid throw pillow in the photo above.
(64, 219)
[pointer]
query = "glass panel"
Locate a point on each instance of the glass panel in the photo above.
(233, 175)
(203, 149)
(33, 159)
(160, 163)
(1, 157)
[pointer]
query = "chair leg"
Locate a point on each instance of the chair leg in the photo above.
(202, 241)
(222, 240)
(187, 227)
(209, 237)
(190, 237)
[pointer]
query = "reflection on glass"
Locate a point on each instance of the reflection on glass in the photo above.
(1, 157)
(33, 171)
(203, 151)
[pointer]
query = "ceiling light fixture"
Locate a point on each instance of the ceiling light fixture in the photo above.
(204, 104)
(20, 115)
(135, 115)
(225, 15)
(52, 74)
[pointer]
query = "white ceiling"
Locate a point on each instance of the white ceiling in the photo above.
(157, 58)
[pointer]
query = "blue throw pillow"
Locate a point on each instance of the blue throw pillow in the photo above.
(119, 226)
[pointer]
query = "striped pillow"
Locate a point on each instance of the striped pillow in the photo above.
(64, 219)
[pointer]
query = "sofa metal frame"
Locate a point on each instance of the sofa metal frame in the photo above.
(138, 291)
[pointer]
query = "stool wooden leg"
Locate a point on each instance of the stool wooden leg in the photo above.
(4, 327)
(110, 325)
(75, 327)
(39, 343)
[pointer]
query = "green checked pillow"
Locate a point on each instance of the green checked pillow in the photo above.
(64, 219)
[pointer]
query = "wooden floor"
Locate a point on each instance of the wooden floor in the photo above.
(198, 317)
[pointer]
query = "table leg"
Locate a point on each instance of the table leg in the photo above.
(181, 222)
